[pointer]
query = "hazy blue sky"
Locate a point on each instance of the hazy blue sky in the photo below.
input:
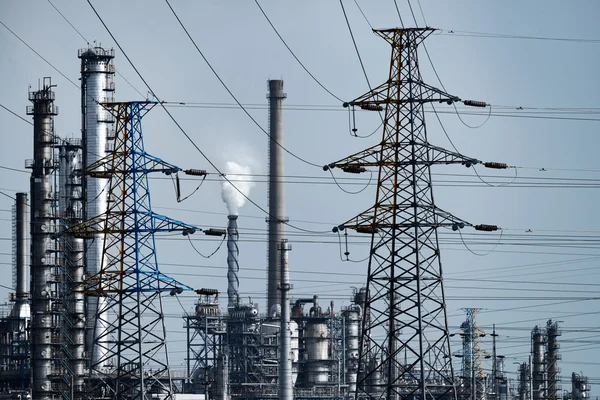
(550, 272)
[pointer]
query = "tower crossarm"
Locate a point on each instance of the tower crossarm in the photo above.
(117, 222)
(378, 97)
(385, 154)
(379, 217)
(105, 167)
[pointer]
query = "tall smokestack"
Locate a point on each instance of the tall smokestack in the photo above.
(277, 217)
(97, 86)
(233, 267)
(21, 307)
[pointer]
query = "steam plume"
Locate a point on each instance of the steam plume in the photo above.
(239, 176)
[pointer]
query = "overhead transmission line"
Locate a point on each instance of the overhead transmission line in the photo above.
(179, 125)
(293, 54)
(231, 93)
(451, 32)
(88, 43)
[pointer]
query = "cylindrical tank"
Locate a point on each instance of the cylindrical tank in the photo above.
(42, 227)
(316, 339)
(276, 194)
(97, 86)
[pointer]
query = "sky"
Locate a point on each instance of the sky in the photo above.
(543, 265)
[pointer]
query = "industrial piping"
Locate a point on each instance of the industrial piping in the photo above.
(233, 266)
(276, 217)
(42, 226)
(21, 307)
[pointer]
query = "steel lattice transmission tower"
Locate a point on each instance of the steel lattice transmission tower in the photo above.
(405, 299)
(134, 360)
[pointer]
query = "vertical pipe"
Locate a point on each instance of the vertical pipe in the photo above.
(97, 86)
(276, 195)
(552, 333)
(495, 376)
(21, 309)
(42, 277)
(233, 266)
(286, 391)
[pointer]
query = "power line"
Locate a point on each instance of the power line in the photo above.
(511, 36)
(399, 16)
(173, 118)
(355, 46)
(39, 55)
(231, 93)
(88, 43)
(293, 54)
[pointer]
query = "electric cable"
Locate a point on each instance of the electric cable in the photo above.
(412, 13)
(39, 55)
(294, 55)
(355, 46)
(347, 191)
(88, 43)
(509, 36)
(363, 14)
(422, 14)
(480, 254)
(68, 22)
(177, 123)
(352, 129)
(230, 92)
(399, 16)
(16, 115)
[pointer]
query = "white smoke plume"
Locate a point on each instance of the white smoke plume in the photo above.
(239, 176)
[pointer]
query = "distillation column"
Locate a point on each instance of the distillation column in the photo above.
(97, 86)
(552, 333)
(276, 217)
(524, 372)
(71, 211)
(539, 366)
(42, 226)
